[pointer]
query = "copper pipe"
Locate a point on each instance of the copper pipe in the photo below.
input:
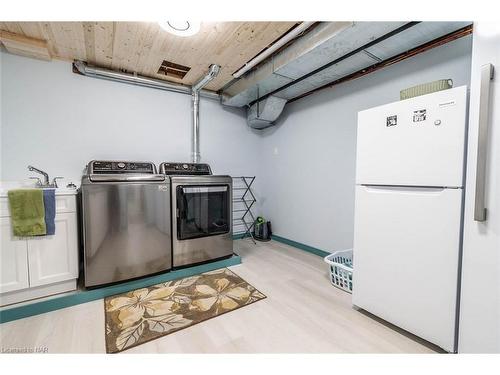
(467, 30)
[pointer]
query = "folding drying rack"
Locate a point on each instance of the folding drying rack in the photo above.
(243, 200)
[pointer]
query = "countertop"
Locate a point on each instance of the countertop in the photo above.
(5, 186)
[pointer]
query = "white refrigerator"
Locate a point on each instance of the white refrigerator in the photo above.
(408, 213)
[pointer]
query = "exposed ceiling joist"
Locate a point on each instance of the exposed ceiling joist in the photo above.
(25, 46)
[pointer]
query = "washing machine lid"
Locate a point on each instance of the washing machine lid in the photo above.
(122, 171)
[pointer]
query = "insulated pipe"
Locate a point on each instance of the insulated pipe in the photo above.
(277, 45)
(95, 72)
(196, 90)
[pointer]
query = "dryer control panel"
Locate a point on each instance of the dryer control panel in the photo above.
(185, 169)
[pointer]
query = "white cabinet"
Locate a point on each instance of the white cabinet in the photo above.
(54, 258)
(13, 259)
(33, 267)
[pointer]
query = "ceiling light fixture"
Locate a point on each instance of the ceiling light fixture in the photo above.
(180, 28)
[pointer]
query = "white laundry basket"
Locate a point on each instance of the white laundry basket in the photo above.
(341, 269)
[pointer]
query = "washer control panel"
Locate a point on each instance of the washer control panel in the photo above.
(185, 169)
(118, 167)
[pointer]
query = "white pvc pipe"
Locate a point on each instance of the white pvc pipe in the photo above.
(268, 52)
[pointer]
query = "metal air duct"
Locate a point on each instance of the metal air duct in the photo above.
(262, 114)
(195, 91)
(134, 79)
(213, 70)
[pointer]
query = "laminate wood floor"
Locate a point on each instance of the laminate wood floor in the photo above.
(303, 313)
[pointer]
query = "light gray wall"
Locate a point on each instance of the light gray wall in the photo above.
(58, 121)
(1, 107)
(308, 190)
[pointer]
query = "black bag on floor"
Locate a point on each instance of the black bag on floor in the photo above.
(262, 229)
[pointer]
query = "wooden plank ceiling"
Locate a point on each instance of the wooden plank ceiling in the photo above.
(141, 47)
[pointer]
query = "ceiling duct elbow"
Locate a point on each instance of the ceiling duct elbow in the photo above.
(213, 71)
(262, 114)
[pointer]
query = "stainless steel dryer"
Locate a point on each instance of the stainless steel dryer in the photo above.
(126, 221)
(201, 213)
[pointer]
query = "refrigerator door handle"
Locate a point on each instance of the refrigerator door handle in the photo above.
(487, 73)
(404, 189)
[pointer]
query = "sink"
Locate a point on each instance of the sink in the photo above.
(5, 186)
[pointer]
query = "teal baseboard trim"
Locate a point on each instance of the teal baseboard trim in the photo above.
(301, 246)
(8, 314)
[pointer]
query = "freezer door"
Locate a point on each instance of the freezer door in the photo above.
(419, 141)
(406, 252)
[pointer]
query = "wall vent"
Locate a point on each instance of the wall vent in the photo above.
(173, 70)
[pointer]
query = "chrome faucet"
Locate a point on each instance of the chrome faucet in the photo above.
(44, 174)
(46, 181)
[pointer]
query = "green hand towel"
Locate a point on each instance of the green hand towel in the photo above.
(27, 212)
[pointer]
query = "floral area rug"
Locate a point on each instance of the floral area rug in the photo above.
(142, 315)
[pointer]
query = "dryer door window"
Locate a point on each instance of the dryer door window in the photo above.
(202, 211)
